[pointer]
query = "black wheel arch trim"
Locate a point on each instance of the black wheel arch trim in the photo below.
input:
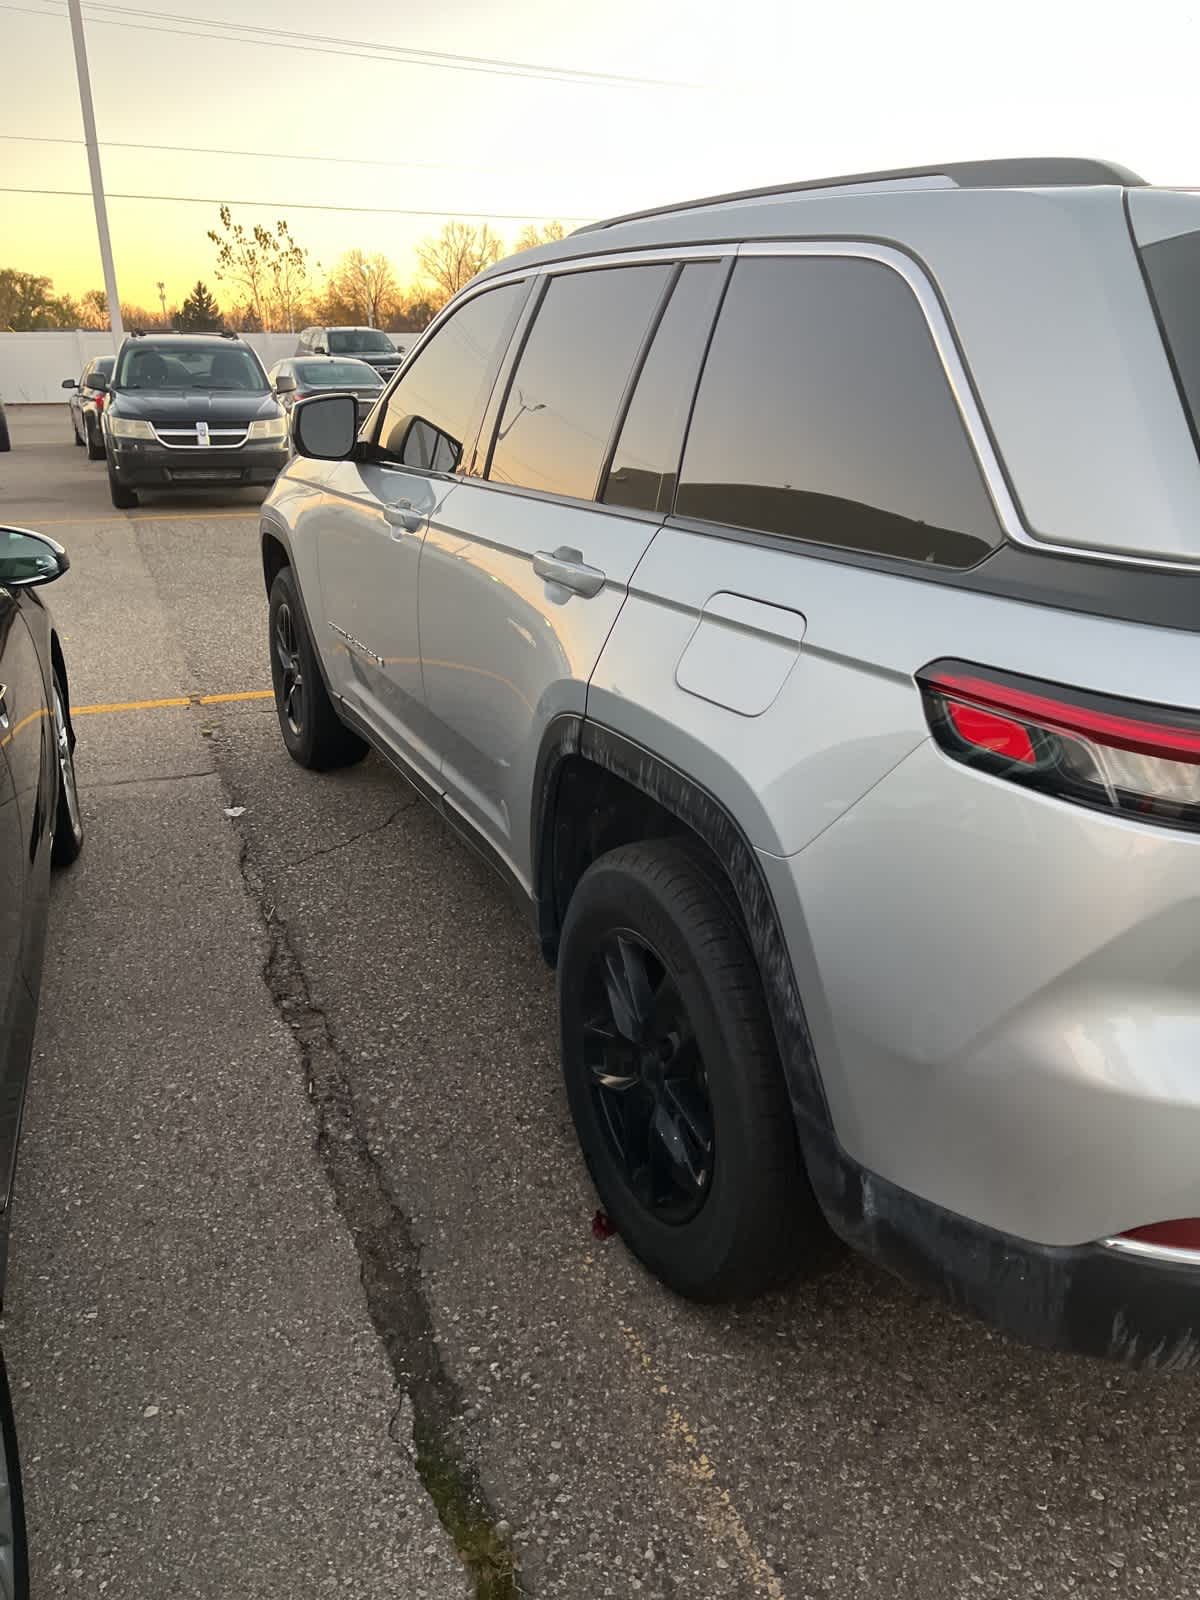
(711, 822)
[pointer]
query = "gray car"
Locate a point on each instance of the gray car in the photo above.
(794, 595)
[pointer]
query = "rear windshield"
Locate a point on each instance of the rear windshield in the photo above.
(338, 375)
(180, 366)
(1172, 269)
(357, 341)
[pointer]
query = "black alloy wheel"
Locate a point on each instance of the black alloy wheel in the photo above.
(290, 693)
(312, 730)
(647, 1077)
(674, 1079)
(68, 818)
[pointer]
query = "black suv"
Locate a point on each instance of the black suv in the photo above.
(186, 410)
(371, 345)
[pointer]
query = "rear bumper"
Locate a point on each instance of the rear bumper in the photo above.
(1087, 1299)
(143, 464)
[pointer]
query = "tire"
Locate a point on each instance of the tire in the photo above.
(743, 1219)
(123, 497)
(95, 443)
(314, 734)
(68, 819)
(75, 439)
(14, 1548)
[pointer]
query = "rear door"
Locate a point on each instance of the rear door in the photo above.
(526, 571)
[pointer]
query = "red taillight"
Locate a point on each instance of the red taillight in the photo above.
(99, 404)
(1182, 1234)
(1141, 761)
(989, 732)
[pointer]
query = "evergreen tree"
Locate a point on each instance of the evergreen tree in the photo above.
(200, 313)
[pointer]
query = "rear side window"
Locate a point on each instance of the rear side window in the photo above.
(433, 412)
(642, 475)
(1173, 272)
(568, 386)
(824, 414)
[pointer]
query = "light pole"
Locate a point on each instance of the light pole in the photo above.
(88, 114)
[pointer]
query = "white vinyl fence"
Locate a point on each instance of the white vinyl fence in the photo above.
(33, 365)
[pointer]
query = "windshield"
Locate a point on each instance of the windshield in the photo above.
(182, 366)
(338, 375)
(350, 341)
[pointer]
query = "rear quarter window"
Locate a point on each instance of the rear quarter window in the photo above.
(824, 415)
(1172, 268)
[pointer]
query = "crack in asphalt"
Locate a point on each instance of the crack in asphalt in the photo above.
(389, 1258)
(344, 844)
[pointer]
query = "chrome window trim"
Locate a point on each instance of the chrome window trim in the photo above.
(936, 320)
(1154, 1252)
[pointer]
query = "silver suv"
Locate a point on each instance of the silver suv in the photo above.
(796, 596)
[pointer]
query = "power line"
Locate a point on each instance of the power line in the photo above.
(258, 155)
(359, 49)
(305, 205)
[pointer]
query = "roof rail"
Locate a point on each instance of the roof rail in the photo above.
(1030, 172)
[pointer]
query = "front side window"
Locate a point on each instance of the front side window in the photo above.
(180, 366)
(359, 341)
(567, 388)
(824, 414)
(433, 412)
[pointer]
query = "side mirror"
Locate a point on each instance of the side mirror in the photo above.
(71, 383)
(285, 383)
(325, 427)
(28, 559)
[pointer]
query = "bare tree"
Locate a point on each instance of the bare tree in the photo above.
(361, 288)
(531, 235)
(268, 268)
(456, 255)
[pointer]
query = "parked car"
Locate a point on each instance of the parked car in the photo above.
(86, 404)
(190, 410)
(799, 607)
(298, 377)
(40, 824)
(371, 345)
(5, 440)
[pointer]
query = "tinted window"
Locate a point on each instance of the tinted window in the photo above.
(435, 408)
(824, 414)
(643, 470)
(569, 382)
(1173, 268)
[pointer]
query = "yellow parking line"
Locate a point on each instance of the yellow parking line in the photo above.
(174, 700)
(165, 516)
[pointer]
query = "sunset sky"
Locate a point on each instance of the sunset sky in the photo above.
(759, 92)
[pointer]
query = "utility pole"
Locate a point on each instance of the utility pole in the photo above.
(93, 152)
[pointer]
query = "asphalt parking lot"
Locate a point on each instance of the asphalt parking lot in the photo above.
(304, 1296)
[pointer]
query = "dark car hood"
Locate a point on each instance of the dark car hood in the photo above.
(377, 358)
(194, 405)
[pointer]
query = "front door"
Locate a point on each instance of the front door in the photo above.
(525, 575)
(371, 524)
(375, 516)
